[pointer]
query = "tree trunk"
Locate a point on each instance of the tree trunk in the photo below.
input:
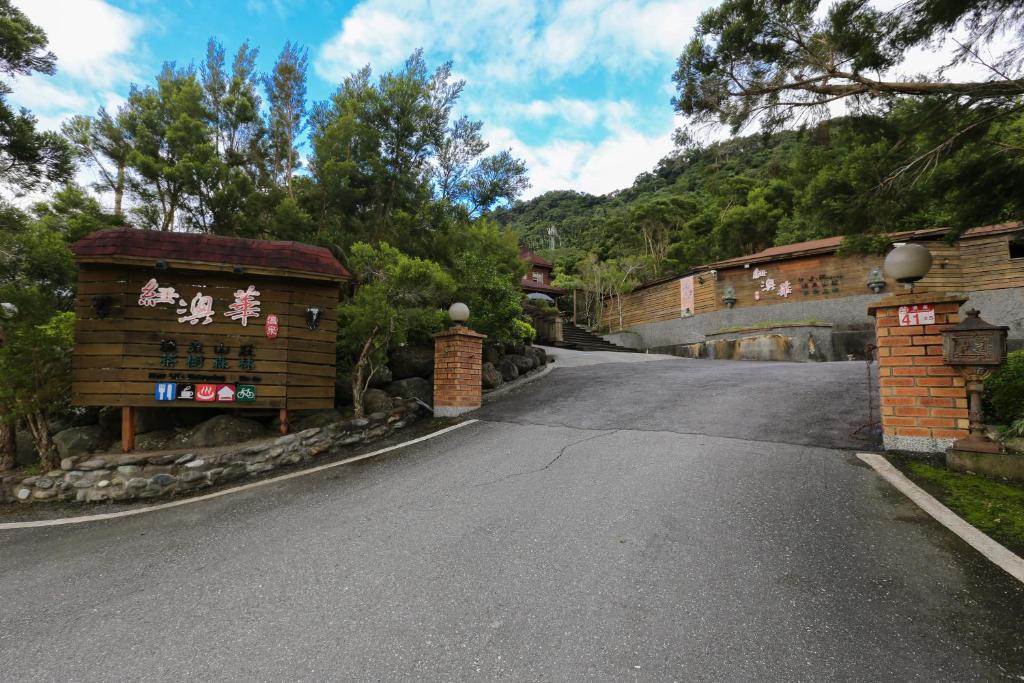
(119, 190)
(357, 389)
(39, 425)
(8, 446)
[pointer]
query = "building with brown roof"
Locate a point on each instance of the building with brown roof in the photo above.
(538, 279)
(813, 281)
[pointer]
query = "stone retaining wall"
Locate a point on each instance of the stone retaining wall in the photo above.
(136, 476)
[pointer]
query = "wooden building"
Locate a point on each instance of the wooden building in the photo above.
(983, 259)
(538, 279)
(202, 321)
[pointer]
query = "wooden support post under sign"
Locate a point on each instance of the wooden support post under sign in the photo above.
(127, 429)
(284, 420)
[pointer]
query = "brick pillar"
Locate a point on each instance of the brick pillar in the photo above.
(924, 402)
(458, 358)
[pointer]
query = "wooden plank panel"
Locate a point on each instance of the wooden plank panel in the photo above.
(117, 359)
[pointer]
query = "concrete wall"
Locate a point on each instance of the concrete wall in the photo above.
(851, 323)
(794, 343)
(853, 328)
(1001, 307)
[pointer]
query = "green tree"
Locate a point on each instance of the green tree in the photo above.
(286, 93)
(398, 297)
(35, 362)
(391, 165)
(773, 59)
(232, 104)
(103, 143)
(28, 157)
(484, 262)
(173, 152)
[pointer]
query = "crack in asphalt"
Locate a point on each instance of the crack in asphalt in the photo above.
(561, 452)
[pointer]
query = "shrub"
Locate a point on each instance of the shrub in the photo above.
(1004, 391)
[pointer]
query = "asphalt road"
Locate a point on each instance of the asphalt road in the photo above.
(667, 520)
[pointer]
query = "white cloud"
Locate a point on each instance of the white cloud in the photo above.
(93, 40)
(511, 40)
(609, 164)
(40, 93)
(95, 44)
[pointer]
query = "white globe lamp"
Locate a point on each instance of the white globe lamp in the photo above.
(908, 263)
(458, 312)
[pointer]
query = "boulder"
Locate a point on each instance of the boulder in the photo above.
(59, 424)
(376, 400)
(539, 356)
(343, 389)
(83, 417)
(508, 369)
(492, 354)
(523, 363)
(109, 420)
(223, 430)
(79, 440)
(412, 361)
(412, 387)
(490, 376)
(155, 440)
(190, 417)
(153, 420)
(382, 377)
(307, 419)
(26, 453)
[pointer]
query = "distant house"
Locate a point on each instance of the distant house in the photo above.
(538, 279)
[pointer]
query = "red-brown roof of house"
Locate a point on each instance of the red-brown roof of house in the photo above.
(529, 256)
(185, 246)
(830, 244)
(531, 286)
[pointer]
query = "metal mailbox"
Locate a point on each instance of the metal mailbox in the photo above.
(974, 342)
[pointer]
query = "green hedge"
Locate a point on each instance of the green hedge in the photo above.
(1004, 391)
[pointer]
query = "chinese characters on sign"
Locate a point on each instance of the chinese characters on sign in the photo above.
(919, 314)
(246, 305)
(823, 283)
(783, 289)
(200, 309)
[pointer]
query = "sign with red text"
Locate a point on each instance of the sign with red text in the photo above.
(271, 326)
(918, 314)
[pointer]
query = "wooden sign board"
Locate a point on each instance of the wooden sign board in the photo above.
(232, 332)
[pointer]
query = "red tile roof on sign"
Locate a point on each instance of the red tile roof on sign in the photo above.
(185, 246)
(530, 257)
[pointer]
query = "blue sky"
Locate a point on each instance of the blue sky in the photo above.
(579, 89)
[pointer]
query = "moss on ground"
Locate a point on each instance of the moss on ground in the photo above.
(995, 507)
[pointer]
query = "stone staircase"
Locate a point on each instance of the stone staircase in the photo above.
(575, 337)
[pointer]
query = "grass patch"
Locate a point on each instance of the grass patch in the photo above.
(997, 508)
(768, 324)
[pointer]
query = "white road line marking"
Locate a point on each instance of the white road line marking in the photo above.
(245, 487)
(1008, 561)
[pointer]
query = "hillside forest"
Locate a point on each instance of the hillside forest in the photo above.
(916, 152)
